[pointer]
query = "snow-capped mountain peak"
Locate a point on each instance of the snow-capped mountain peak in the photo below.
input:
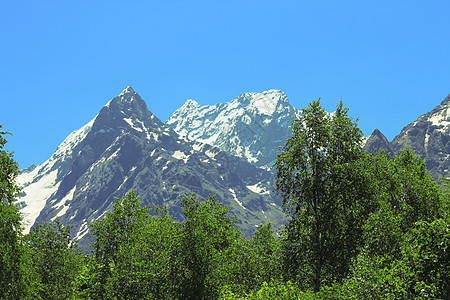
(191, 103)
(127, 148)
(251, 126)
(127, 90)
(267, 102)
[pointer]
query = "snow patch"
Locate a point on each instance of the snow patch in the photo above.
(63, 203)
(84, 229)
(130, 122)
(265, 103)
(441, 118)
(152, 136)
(116, 153)
(97, 163)
(72, 140)
(84, 188)
(74, 215)
(198, 147)
(124, 181)
(36, 196)
(180, 155)
(258, 190)
(211, 154)
(235, 198)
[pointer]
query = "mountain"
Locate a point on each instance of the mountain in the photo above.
(428, 137)
(125, 147)
(252, 126)
(377, 142)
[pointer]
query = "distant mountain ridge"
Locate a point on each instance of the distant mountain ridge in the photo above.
(225, 150)
(125, 147)
(428, 137)
(251, 126)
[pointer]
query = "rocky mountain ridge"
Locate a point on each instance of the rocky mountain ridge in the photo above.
(125, 147)
(251, 126)
(225, 150)
(428, 137)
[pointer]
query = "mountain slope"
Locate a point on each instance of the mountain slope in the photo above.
(251, 126)
(429, 138)
(126, 147)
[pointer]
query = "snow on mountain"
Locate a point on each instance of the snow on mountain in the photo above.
(127, 148)
(41, 182)
(252, 126)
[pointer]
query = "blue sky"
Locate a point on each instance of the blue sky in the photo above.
(61, 61)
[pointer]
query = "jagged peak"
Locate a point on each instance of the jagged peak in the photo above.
(377, 132)
(127, 90)
(191, 103)
(446, 100)
(126, 110)
(127, 97)
(266, 102)
(187, 106)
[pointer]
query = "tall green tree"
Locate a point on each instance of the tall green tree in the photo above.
(56, 259)
(207, 233)
(248, 263)
(321, 180)
(405, 194)
(405, 237)
(117, 231)
(17, 279)
(134, 255)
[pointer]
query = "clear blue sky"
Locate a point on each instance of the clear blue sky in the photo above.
(61, 61)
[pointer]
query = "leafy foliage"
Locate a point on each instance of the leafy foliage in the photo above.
(133, 254)
(17, 278)
(207, 234)
(55, 258)
(323, 192)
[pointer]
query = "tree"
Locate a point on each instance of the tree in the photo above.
(405, 194)
(320, 178)
(115, 233)
(17, 279)
(265, 252)
(425, 251)
(403, 253)
(248, 263)
(56, 259)
(9, 169)
(207, 234)
(134, 255)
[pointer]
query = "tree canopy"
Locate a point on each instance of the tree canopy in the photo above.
(320, 180)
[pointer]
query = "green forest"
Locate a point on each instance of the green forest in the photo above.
(360, 226)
